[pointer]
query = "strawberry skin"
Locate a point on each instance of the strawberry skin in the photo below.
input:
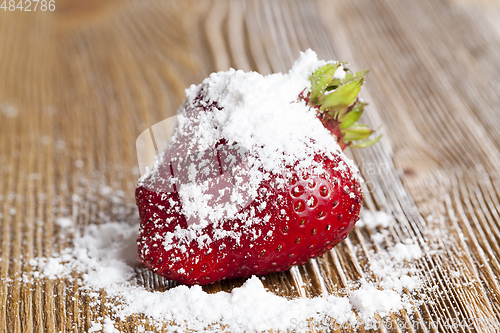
(308, 216)
(297, 211)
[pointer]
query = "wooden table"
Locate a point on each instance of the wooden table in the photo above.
(80, 83)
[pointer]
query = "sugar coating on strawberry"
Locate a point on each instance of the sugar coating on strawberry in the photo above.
(253, 179)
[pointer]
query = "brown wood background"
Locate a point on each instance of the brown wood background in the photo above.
(89, 77)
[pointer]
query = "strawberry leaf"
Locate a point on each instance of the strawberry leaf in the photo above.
(338, 106)
(367, 142)
(356, 132)
(334, 84)
(321, 78)
(352, 116)
(349, 77)
(341, 97)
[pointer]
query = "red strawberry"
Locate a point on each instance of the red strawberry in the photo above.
(214, 208)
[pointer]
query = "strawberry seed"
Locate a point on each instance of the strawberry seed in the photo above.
(323, 190)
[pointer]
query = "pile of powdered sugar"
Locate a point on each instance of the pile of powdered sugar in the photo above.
(105, 255)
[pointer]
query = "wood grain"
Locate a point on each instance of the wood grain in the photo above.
(88, 78)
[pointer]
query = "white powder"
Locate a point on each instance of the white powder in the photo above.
(369, 301)
(106, 327)
(64, 222)
(374, 220)
(96, 327)
(8, 110)
(407, 251)
(105, 254)
(339, 73)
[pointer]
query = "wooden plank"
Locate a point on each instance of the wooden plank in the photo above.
(87, 79)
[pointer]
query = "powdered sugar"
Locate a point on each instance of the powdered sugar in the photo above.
(406, 251)
(339, 73)
(105, 255)
(8, 110)
(389, 265)
(369, 300)
(64, 222)
(106, 327)
(373, 220)
(263, 111)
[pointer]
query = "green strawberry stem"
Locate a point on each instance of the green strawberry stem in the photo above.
(337, 104)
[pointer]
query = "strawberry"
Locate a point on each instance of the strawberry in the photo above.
(235, 193)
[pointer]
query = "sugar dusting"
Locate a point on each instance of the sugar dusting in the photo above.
(8, 110)
(105, 256)
(264, 118)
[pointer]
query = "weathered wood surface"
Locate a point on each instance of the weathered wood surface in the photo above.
(89, 77)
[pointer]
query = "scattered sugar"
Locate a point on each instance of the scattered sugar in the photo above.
(8, 110)
(45, 140)
(389, 265)
(108, 326)
(406, 251)
(96, 327)
(64, 222)
(378, 237)
(339, 73)
(105, 255)
(59, 144)
(52, 268)
(375, 219)
(106, 190)
(369, 300)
